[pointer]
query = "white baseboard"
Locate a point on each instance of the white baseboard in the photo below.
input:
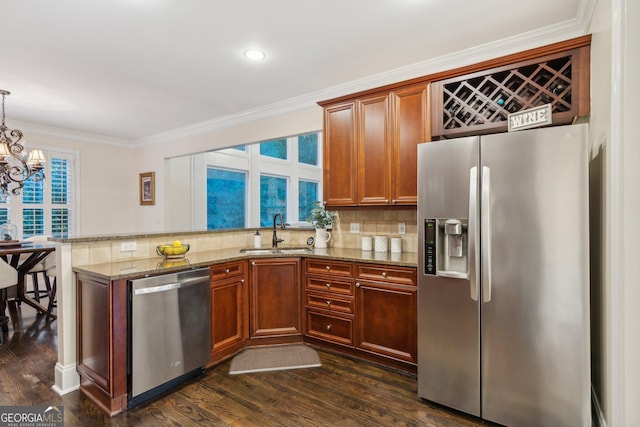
(67, 379)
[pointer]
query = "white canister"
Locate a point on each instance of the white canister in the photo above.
(381, 244)
(366, 243)
(396, 244)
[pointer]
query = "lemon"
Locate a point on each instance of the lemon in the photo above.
(177, 244)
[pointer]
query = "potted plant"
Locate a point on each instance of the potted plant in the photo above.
(321, 219)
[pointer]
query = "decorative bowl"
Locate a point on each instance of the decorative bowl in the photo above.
(171, 251)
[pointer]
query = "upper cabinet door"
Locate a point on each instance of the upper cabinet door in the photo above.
(374, 150)
(340, 155)
(411, 127)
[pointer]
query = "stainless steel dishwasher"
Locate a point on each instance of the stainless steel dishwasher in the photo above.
(169, 331)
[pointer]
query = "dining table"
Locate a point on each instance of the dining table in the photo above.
(23, 256)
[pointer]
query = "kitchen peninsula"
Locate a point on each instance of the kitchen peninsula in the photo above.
(337, 295)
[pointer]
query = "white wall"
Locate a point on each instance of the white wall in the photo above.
(629, 12)
(615, 174)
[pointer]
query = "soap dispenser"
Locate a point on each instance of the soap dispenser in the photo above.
(257, 239)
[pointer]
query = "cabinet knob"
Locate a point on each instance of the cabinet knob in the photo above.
(226, 271)
(328, 267)
(328, 302)
(357, 284)
(384, 274)
(328, 285)
(328, 327)
(242, 281)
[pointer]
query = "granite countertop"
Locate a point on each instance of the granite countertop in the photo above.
(159, 265)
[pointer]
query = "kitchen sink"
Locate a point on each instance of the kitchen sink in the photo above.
(277, 251)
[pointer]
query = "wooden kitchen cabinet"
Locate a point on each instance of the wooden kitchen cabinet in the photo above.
(386, 311)
(340, 154)
(329, 301)
(275, 300)
(102, 341)
(411, 127)
(370, 146)
(374, 150)
(229, 309)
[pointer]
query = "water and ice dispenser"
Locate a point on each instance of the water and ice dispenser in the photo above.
(446, 247)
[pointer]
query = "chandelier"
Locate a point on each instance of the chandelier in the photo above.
(16, 165)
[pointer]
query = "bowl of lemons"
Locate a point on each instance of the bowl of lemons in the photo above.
(174, 250)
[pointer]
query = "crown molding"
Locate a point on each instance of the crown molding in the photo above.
(63, 133)
(529, 40)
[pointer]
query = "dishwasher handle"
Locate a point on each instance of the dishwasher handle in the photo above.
(170, 286)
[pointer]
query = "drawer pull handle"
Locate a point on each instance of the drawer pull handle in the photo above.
(384, 274)
(328, 285)
(328, 267)
(226, 270)
(328, 327)
(328, 302)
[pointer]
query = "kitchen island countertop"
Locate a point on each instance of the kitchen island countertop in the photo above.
(159, 265)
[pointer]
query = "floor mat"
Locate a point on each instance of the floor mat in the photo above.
(274, 358)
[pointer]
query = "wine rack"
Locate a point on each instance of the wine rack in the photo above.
(479, 103)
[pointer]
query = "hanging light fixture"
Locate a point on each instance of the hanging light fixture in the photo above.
(16, 165)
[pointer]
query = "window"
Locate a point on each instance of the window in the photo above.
(246, 188)
(226, 194)
(276, 149)
(307, 196)
(308, 149)
(273, 198)
(43, 207)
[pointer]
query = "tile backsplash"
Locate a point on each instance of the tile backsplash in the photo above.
(375, 222)
(371, 223)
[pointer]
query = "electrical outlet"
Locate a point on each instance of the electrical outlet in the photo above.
(354, 227)
(128, 246)
(402, 228)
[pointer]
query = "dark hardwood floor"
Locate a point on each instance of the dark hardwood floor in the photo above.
(343, 392)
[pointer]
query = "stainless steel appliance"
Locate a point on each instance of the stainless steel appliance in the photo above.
(503, 296)
(170, 331)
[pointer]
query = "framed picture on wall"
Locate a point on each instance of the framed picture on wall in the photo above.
(148, 188)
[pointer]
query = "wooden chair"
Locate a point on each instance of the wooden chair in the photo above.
(8, 278)
(44, 270)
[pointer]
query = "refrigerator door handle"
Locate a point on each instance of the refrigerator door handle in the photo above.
(485, 215)
(474, 250)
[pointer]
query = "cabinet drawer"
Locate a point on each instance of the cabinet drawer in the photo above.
(399, 275)
(338, 287)
(334, 268)
(222, 271)
(328, 302)
(330, 328)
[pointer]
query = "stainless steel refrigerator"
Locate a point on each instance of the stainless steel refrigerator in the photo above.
(503, 283)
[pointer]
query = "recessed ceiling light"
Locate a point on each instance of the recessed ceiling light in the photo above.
(254, 54)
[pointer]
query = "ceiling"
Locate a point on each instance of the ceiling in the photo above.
(132, 70)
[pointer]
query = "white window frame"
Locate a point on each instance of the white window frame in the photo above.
(256, 165)
(16, 206)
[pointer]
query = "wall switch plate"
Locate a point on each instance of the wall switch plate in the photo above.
(402, 228)
(128, 246)
(354, 227)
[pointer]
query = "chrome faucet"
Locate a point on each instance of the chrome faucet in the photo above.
(275, 240)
